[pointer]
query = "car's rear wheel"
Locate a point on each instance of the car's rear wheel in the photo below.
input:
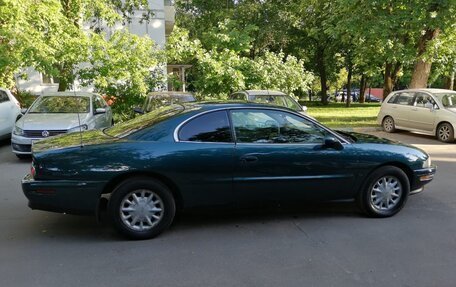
(445, 132)
(388, 125)
(385, 192)
(141, 208)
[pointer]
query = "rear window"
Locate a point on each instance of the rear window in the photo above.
(147, 120)
(211, 127)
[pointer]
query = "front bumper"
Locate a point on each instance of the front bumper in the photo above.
(22, 145)
(64, 196)
(420, 178)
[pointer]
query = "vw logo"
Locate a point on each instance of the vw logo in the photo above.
(45, 134)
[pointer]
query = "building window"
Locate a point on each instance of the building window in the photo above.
(48, 80)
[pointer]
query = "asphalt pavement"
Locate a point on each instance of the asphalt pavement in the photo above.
(318, 245)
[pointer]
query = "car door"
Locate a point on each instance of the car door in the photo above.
(280, 156)
(401, 109)
(205, 148)
(423, 113)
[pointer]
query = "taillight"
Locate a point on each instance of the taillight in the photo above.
(32, 170)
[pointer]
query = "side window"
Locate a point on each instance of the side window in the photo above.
(268, 126)
(393, 99)
(97, 103)
(292, 104)
(3, 97)
(211, 127)
(424, 101)
(238, 97)
(405, 99)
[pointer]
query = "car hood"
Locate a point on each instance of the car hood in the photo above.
(43, 121)
(366, 138)
(75, 139)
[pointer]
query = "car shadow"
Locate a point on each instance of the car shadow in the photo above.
(87, 228)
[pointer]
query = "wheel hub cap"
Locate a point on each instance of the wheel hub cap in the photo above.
(386, 193)
(141, 210)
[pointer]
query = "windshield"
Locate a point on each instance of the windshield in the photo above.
(448, 100)
(157, 102)
(141, 122)
(278, 100)
(61, 104)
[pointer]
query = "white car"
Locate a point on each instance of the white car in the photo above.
(425, 111)
(59, 113)
(10, 108)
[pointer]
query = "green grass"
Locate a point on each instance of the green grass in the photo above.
(336, 115)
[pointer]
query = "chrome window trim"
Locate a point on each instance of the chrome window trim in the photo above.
(227, 109)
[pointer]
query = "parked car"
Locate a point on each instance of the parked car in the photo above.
(425, 111)
(269, 97)
(59, 113)
(156, 100)
(371, 98)
(195, 155)
(339, 94)
(10, 108)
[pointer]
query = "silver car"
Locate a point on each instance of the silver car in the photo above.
(59, 113)
(425, 111)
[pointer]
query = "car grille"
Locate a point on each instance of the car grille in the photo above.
(39, 133)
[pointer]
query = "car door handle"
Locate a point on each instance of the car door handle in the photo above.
(249, 158)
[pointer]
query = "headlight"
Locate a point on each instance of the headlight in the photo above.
(18, 131)
(427, 163)
(78, 128)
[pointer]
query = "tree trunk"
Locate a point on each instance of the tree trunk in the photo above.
(449, 82)
(362, 88)
(390, 78)
(349, 82)
(322, 73)
(422, 68)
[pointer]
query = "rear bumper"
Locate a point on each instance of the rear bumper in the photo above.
(64, 196)
(420, 178)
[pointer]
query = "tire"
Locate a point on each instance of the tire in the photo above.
(141, 208)
(23, 156)
(388, 124)
(445, 133)
(391, 198)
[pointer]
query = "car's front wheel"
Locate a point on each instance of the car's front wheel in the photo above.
(385, 192)
(388, 125)
(445, 133)
(141, 208)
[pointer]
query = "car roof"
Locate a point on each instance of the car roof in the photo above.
(263, 92)
(169, 94)
(68, 94)
(428, 90)
(208, 106)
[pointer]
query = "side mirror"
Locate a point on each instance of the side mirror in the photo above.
(332, 142)
(23, 111)
(100, 111)
(138, 111)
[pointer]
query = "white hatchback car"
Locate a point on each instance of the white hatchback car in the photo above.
(10, 108)
(425, 111)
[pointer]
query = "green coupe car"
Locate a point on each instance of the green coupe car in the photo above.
(212, 154)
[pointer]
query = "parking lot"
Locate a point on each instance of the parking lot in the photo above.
(320, 245)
